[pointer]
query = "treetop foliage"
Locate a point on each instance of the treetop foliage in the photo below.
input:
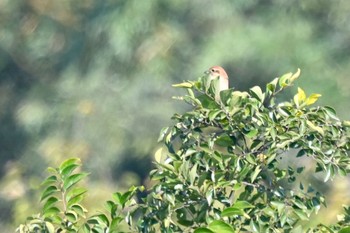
(221, 168)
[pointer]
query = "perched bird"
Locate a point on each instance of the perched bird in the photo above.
(218, 72)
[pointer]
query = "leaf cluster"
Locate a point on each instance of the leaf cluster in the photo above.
(62, 205)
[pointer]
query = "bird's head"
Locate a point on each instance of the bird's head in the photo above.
(217, 71)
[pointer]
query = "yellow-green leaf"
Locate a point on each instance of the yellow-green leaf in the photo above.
(312, 99)
(346, 123)
(300, 97)
(314, 127)
(158, 155)
(295, 76)
(184, 85)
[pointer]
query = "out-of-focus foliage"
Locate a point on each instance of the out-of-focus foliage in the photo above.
(92, 78)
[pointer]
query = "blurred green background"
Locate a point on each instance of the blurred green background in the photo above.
(92, 79)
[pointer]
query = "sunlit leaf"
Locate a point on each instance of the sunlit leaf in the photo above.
(158, 155)
(257, 93)
(68, 162)
(300, 97)
(314, 127)
(295, 76)
(312, 99)
(184, 85)
(203, 230)
(220, 226)
(49, 227)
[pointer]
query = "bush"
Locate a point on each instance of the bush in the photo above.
(221, 169)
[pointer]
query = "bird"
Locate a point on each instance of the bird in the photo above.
(215, 72)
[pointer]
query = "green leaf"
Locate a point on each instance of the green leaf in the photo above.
(331, 112)
(284, 80)
(255, 174)
(213, 114)
(69, 169)
(251, 159)
(329, 172)
(301, 153)
(231, 211)
(71, 216)
(52, 211)
(52, 170)
(254, 226)
(220, 227)
(75, 195)
(193, 174)
(301, 215)
(115, 222)
(48, 192)
(252, 133)
(49, 203)
(345, 230)
(242, 205)
(257, 93)
(271, 86)
(163, 133)
(49, 227)
(73, 179)
(203, 230)
(68, 162)
(102, 219)
(79, 209)
(224, 140)
(279, 205)
(49, 180)
(86, 228)
(209, 196)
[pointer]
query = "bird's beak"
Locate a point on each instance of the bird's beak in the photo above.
(206, 72)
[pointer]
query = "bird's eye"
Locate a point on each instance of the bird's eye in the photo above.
(212, 70)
